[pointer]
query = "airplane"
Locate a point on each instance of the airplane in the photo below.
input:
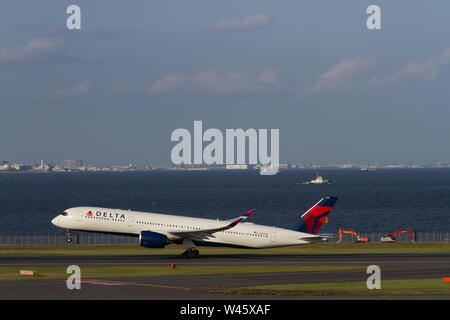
(156, 230)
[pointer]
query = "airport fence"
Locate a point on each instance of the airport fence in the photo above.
(60, 239)
(417, 236)
(86, 238)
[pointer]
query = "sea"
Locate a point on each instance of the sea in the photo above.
(384, 200)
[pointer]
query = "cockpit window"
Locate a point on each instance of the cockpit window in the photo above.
(64, 213)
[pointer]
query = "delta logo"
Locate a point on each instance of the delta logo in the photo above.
(106, 215)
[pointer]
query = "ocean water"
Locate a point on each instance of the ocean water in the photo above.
(381, 201)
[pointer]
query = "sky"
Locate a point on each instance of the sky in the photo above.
(114, 91)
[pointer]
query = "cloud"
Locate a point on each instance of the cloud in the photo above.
(81, 89)
(270, 76)
(213, 81)
(168, 83)
(45, 50)
(253, 21)
(344, 75)
(35, 50)
(414, 71)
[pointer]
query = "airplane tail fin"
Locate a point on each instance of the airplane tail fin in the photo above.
(312, 220)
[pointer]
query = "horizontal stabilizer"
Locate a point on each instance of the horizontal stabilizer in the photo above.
(312, 239)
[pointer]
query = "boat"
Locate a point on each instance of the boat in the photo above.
(317, 180)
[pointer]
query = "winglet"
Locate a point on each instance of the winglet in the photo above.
(248, 214)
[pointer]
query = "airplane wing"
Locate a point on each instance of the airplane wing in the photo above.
(208, 233)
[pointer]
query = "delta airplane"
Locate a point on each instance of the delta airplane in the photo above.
(157, 230)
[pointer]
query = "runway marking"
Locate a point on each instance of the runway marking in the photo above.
(102, 283)
(122, 283)
(152, 285)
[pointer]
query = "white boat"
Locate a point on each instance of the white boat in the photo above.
(317, 180)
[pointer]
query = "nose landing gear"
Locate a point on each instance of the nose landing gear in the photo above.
(69, 237)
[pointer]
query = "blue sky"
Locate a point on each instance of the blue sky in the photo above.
(114, 91)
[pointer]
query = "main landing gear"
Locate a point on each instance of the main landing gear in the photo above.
(69, 237)
(191, 252)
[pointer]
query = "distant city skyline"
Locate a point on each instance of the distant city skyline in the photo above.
(114, 91)
(80, 165)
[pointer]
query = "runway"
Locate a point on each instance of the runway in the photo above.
(202, 287)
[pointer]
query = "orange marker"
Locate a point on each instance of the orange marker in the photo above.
(446, 279)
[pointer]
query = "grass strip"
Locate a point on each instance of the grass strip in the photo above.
(59, 272)
(351, 288)
(318, 248)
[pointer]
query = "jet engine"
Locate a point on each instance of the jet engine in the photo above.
(151, 239)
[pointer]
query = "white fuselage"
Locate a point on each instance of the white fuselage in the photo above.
(133, 222)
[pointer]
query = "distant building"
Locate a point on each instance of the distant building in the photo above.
(71, 164)
(20, 167)
(4, 165)
(41, 166)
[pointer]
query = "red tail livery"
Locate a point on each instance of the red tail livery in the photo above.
(312, 220)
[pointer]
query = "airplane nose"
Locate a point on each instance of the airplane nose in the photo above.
(55, 221)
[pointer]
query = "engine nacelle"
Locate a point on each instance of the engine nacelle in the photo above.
(151, 239)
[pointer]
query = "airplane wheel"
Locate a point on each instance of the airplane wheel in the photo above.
(69, 238)
(190, 254)
(193, 254)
